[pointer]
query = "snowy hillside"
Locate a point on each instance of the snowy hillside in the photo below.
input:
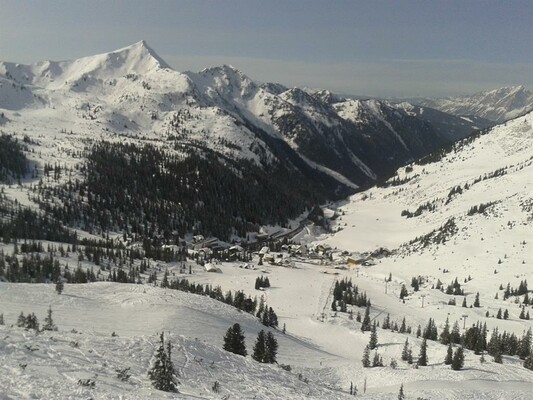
(50, 365)
(117, 173)
(497, 105)
(488, 245)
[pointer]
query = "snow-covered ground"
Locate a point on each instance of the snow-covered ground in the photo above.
(323, 348)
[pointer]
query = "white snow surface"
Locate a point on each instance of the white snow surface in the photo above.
(323, 346)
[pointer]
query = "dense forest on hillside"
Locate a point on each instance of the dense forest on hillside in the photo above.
(147, 192)
(13, 162)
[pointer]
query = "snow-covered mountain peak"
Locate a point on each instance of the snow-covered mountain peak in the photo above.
(226, 80)
(496, 105)
(302, 98)
(138, 58)
(142, 52)
(273, 88)
(326, 96)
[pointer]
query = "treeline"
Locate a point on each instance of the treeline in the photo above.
(474, 338)
(146, 192)
(238, 299)
(429, 206)
(454, 147)
(346, 293)
(17, 222)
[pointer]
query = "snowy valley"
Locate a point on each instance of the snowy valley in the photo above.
(135, 200)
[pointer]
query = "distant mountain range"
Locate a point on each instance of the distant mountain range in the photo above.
(321, 145)
(133, 91)
(496, 105)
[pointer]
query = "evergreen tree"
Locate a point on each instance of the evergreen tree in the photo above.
(2, 319)
(506, 314)
(415, 283)
(49, 322)
(164, 282)
(162, 374)
(234, 340)
(449, 355)
(455, 336)
(524, 349)
(21, 320)
(401, 394)
(32, 322)
(445, 337)
(476, 301)
(458, 359)
(528, 362)
(366, 357)
(377, 361)
(430, 332)
(403, 292)
(59, 286)
(365, 325)
(423, 357)
(271, 347)
(373, 337)
(403, 327)
(259, 351)
(386, 322)
(406, 350)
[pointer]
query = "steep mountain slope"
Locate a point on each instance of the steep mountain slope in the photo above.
(491, 167)
(496, 105)
(446, 124)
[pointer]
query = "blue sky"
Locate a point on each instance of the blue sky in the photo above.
(372, 47)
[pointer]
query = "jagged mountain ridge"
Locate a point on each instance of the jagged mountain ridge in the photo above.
(496, 105)
(133, 91)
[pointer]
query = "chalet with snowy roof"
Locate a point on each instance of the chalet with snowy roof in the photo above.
(209, 267)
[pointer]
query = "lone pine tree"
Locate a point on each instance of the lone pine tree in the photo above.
(59, 286)
(365, 325)
(373, 337)
(49, 322)
(162, 374)
(234, 340)
(401, 394)
(406, 352)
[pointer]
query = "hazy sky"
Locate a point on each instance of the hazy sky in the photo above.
(370, 47)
